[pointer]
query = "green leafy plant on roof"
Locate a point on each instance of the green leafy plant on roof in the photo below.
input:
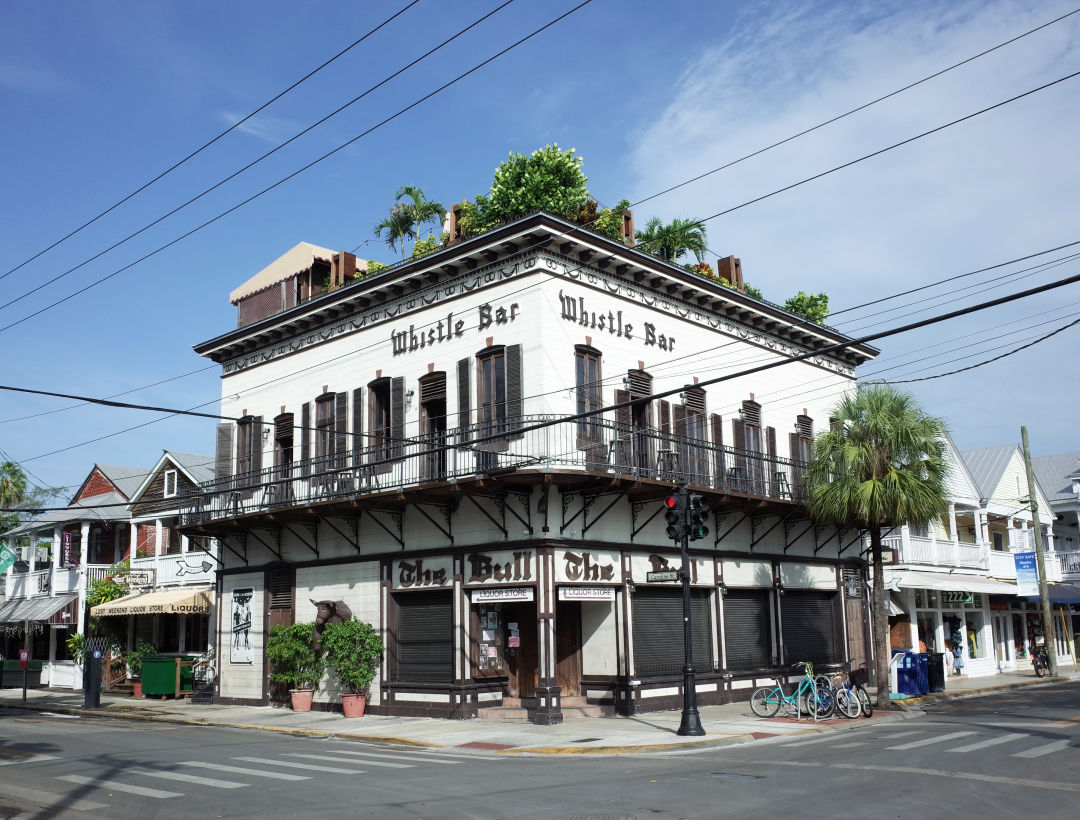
(813, 306)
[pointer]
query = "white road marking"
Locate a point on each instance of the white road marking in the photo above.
(984, 744)
(810, 742)
(849, 745)
(404, 756)
(241, 770)
(915, 744)
(30, 759)
(117, 786)
(49, 799)
(1049, 748)
(188, 778)
(337, 759)
(309, 766)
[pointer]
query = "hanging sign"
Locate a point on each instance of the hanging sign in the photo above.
(8, 557)
(69, 557)
(1027, 573)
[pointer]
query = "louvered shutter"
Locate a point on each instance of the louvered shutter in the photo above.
(341, 428)
(748, 629)
(279, 582)
(809, 627)
(515, 404)
(682, 445)
(665, 417)
(772, 472)
(223, 464)
(719, 465)
(305, 439)
(464, 405)
(425, 638)
(741, 479)
(397, 417)
(256, 445)
(623, 417)
(796, 464)
(358, 440)
(658, 631)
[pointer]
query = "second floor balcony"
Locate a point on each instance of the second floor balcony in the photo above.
(929, 551)
(569, 452)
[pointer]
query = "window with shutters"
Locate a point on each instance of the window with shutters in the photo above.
(424, 650)
(245, 437)
(802, 447)
(658, 631)
(748, 629)
(283, 444)
(433, 425)
(491, 389)
(324, 425)
(589, 395)
(379, 428)
(691, 436)
(170, 484)
(636, 440)
(808, 621)
(750, 439)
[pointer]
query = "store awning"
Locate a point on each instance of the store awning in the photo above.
(913, 579)
(38, 610)
(892, 607)
(1059, 594)
(162, 601)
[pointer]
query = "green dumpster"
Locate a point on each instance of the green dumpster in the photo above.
(159, 675)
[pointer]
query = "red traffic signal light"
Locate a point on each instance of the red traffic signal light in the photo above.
(676, 516)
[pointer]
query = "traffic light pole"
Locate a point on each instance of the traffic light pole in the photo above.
(691, 720)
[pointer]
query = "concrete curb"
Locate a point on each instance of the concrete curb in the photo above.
(728, 740)
(905, 704)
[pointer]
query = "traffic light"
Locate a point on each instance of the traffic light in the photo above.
(697, 517)
(676, 515)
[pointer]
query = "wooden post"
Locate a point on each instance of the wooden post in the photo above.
(1047, 616)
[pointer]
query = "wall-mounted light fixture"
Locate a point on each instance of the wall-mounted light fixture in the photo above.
(630, 586)
(265, 433)
(723, 588)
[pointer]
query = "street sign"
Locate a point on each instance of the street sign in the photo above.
(24, 658)
(657, 577)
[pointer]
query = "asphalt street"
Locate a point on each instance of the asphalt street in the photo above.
(1002, 755)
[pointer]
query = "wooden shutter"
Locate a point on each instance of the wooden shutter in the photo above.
(358, 441)
(679, 416)
(748, 629)
(665, 417)
(795, 451)
(771, 468)
(397, 416)
(658, 631)
(341, 427)
(741, 479)
(425, 637)
(514, 400)
(279, 582)
(223, 463)
(305, 439)
(809, 629)
(256, 444)
(719, 465)
(464, 406)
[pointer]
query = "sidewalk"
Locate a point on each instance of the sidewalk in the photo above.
(730, 724)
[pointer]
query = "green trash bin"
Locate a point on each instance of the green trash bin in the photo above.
(159, 675)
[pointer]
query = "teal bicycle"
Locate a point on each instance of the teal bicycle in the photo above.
(807, 698)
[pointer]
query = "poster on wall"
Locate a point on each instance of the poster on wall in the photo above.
(240, 650)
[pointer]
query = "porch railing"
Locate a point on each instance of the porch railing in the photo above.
(1068, 564)
(929, 551)
(178, 569)
(593, 446)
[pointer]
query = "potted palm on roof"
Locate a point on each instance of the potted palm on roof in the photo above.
(354, 652)
(295, 662)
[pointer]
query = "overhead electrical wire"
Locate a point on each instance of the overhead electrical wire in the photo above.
(206, 145)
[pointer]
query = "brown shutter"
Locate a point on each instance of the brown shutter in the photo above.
(397, 416)
(514, 400)
(256, 443)
(358, 440)
(796, 465)
(770, 462)
(741, 479)
(665, 417)
(719, 466)
(623, 418)
(341, 427)
(223, 463)
(679, 414)
(305, 439)
(464, 407)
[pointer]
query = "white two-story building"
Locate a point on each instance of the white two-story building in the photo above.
(402, 445)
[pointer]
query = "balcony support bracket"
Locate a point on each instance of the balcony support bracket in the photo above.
(819, 530)
(312, 531)
(396, 519)
(590, 500)
(849, 544)
(274, 547)
(789, 542)
(635, 512)
(720, 519)
(500, 505)
(567, 500)
(352, 537)
(446, 511)
(224, 539)
(754, 525)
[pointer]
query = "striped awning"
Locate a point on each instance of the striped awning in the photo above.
(162, 601)
(38, 610)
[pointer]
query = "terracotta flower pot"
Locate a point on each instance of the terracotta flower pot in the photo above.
(353, 705)
(301, 699)
(136, 689)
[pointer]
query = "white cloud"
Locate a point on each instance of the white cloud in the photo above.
(271, 130)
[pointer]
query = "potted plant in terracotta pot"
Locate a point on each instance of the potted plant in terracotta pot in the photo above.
(354, 651)
(295, 662)
(134, 660)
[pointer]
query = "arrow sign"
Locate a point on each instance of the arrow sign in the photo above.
(182, 568)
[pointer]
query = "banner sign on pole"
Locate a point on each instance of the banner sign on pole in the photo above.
(1027, 573)
(8, 557)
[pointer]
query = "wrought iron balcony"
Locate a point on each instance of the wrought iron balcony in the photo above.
(567, 448)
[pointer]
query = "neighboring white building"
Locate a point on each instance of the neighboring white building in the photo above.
(387, 456)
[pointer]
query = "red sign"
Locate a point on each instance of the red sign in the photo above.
(24, 658)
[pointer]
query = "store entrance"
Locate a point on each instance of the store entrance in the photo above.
(522, 661)
(568, 647)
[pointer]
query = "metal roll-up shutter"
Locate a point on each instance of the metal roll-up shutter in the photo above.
(748, 629)
(425, 637)
(809, 627)
(658, 631)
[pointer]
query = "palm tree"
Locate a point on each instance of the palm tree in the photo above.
(12, 493)
(881, 464)
(421, 210)
(396, 228)
(671, 241)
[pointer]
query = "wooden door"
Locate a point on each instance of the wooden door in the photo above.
(568, 647)
(280, 609)
(523, 664)
(856, 632)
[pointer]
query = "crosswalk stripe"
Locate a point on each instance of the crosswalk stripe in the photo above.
(809, 742)
(48, 799)
(30, 759)
(993, 741)
(849, 745)
(927, 741)
(337, 759)
(117, 786)
(241, 770)
(309, 766)
(188, 778)
(403, 756)
(1049, 748)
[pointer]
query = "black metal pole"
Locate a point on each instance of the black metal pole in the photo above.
(691, 720)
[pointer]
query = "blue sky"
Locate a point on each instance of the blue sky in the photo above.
(100, 97)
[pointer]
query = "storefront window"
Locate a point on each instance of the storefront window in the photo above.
(974, 622)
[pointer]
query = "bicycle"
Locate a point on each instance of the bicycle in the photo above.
(766, 701)
(858, 678)
(845, 696)
(1040, 661)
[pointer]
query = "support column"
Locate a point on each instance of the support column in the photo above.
(952, 523)
(548, 709)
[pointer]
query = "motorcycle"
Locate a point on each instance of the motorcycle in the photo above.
(1040, 661)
